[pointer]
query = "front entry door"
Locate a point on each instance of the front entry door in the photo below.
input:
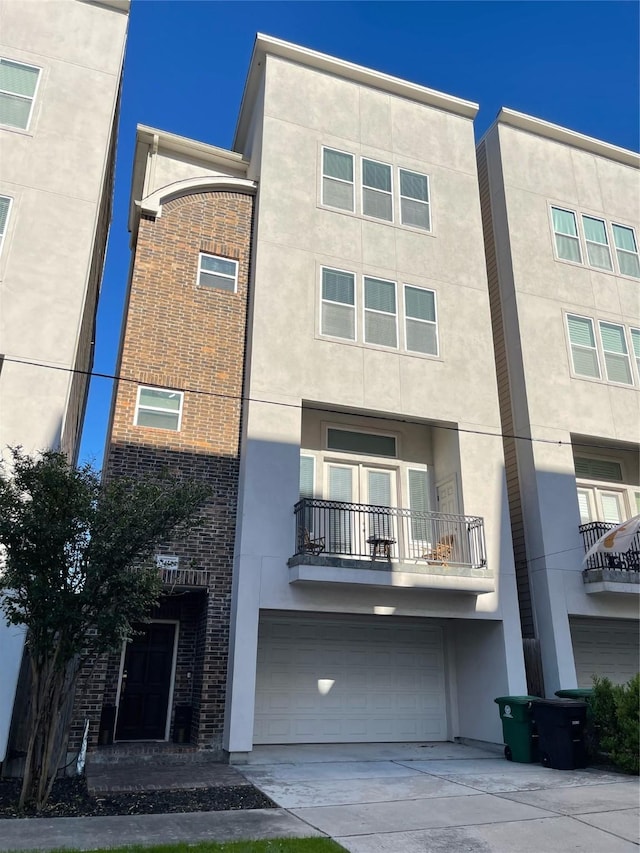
(146, 682)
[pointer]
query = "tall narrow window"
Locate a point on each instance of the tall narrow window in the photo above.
(583, 346)
(414, 200)
(377, 198)
(337, 179)
(380, 314)
(616, 356)
(420, 320)
(626, 250)
(566, 235)
(218, 273)
(338, 304)
(5, 207)
(159, 408)
(419, 504)
(635, 342)
(595, 233)
(307, 468)
(18, 84)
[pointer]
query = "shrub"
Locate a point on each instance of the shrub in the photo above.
(616, 713)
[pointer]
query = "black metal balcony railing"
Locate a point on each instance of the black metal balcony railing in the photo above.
(361, 531)
(628, 561)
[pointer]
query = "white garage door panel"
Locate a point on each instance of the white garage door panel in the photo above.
(334, 682)
(602, 647)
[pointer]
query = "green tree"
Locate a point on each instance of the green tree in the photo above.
(77, 573)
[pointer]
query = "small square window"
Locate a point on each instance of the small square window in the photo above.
(159, 408)
(18, 83)
(414, 200)
(337, 179)
(377, 198)
(218, 273)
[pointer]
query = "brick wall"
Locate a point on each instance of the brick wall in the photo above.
(182, 336)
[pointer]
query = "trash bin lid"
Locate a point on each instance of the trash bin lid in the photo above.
(560, 703)
(575, 693)
(515, 700)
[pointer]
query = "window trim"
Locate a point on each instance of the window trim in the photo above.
(158, 408)
(427, 203)
(233, 278)
(32, 98)
(351, 183)
(389, 193)
(3, 234)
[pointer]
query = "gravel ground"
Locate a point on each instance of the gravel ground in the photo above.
(70, 798)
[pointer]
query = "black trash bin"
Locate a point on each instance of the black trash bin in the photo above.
(561, 726)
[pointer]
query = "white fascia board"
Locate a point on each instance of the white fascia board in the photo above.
(555, 132)
(116, 5)
(267, 46)
(150, 139)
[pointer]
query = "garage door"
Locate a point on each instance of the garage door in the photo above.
(342, 682)
(605, 647)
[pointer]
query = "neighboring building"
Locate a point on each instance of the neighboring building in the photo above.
(60, 70)
(562, 217)
(386, 608)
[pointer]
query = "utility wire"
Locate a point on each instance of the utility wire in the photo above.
(241, 398)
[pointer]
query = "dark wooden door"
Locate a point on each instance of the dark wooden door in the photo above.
(146, 680)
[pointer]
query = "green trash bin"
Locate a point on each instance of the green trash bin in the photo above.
(518, 730)
(581, 693)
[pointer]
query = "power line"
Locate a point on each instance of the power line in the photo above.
(241, 398)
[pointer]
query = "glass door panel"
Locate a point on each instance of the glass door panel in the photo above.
(340, 521)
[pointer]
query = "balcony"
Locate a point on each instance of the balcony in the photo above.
(615, 572)
(175, 577)
(338, 542)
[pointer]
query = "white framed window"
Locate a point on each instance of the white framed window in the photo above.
(159, 408)
(635, 345)
(380, 312)
(595, 235)
(307, 476)
(603, 494)
(421, 329)
(218, 273)
(5, 210)
(584, 352)
(414, 200)
(18, 85)
(616, 355)
(338, 296)
(361, 442)
(377, 190)
(565, 232)
(338, 179)
(624, 239)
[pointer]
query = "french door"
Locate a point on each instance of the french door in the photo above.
(349, 529)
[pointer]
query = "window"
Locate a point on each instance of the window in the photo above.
(5, 207)
(598, 469)
(595, 234)
(338, 304)
(616, 357)
(584, 353)
(367, 443)
(159, 408)
(307, 476)
(624, 240)
(635, 342)
(566, 235)
(609, 498)
(218, 273)
(414, 200)
(377, 197)
(337, 179)
(18, 85)
(420, 320)
(380, 314)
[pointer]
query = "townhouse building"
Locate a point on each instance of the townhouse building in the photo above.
(561, 214)
(308, 328)
(60, 71)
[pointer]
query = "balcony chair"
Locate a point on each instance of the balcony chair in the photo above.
(311, 545)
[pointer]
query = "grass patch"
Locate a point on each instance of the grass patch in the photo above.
(270, 845)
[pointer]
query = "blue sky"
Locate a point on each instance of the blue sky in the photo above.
(573, 63)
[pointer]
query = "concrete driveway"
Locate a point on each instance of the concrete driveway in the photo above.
(431, 798)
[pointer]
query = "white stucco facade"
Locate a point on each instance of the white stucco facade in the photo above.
(57, 152)
(441, 408)
(567, 304)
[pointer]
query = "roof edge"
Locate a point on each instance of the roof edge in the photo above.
(269, 46)
(555, 132)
